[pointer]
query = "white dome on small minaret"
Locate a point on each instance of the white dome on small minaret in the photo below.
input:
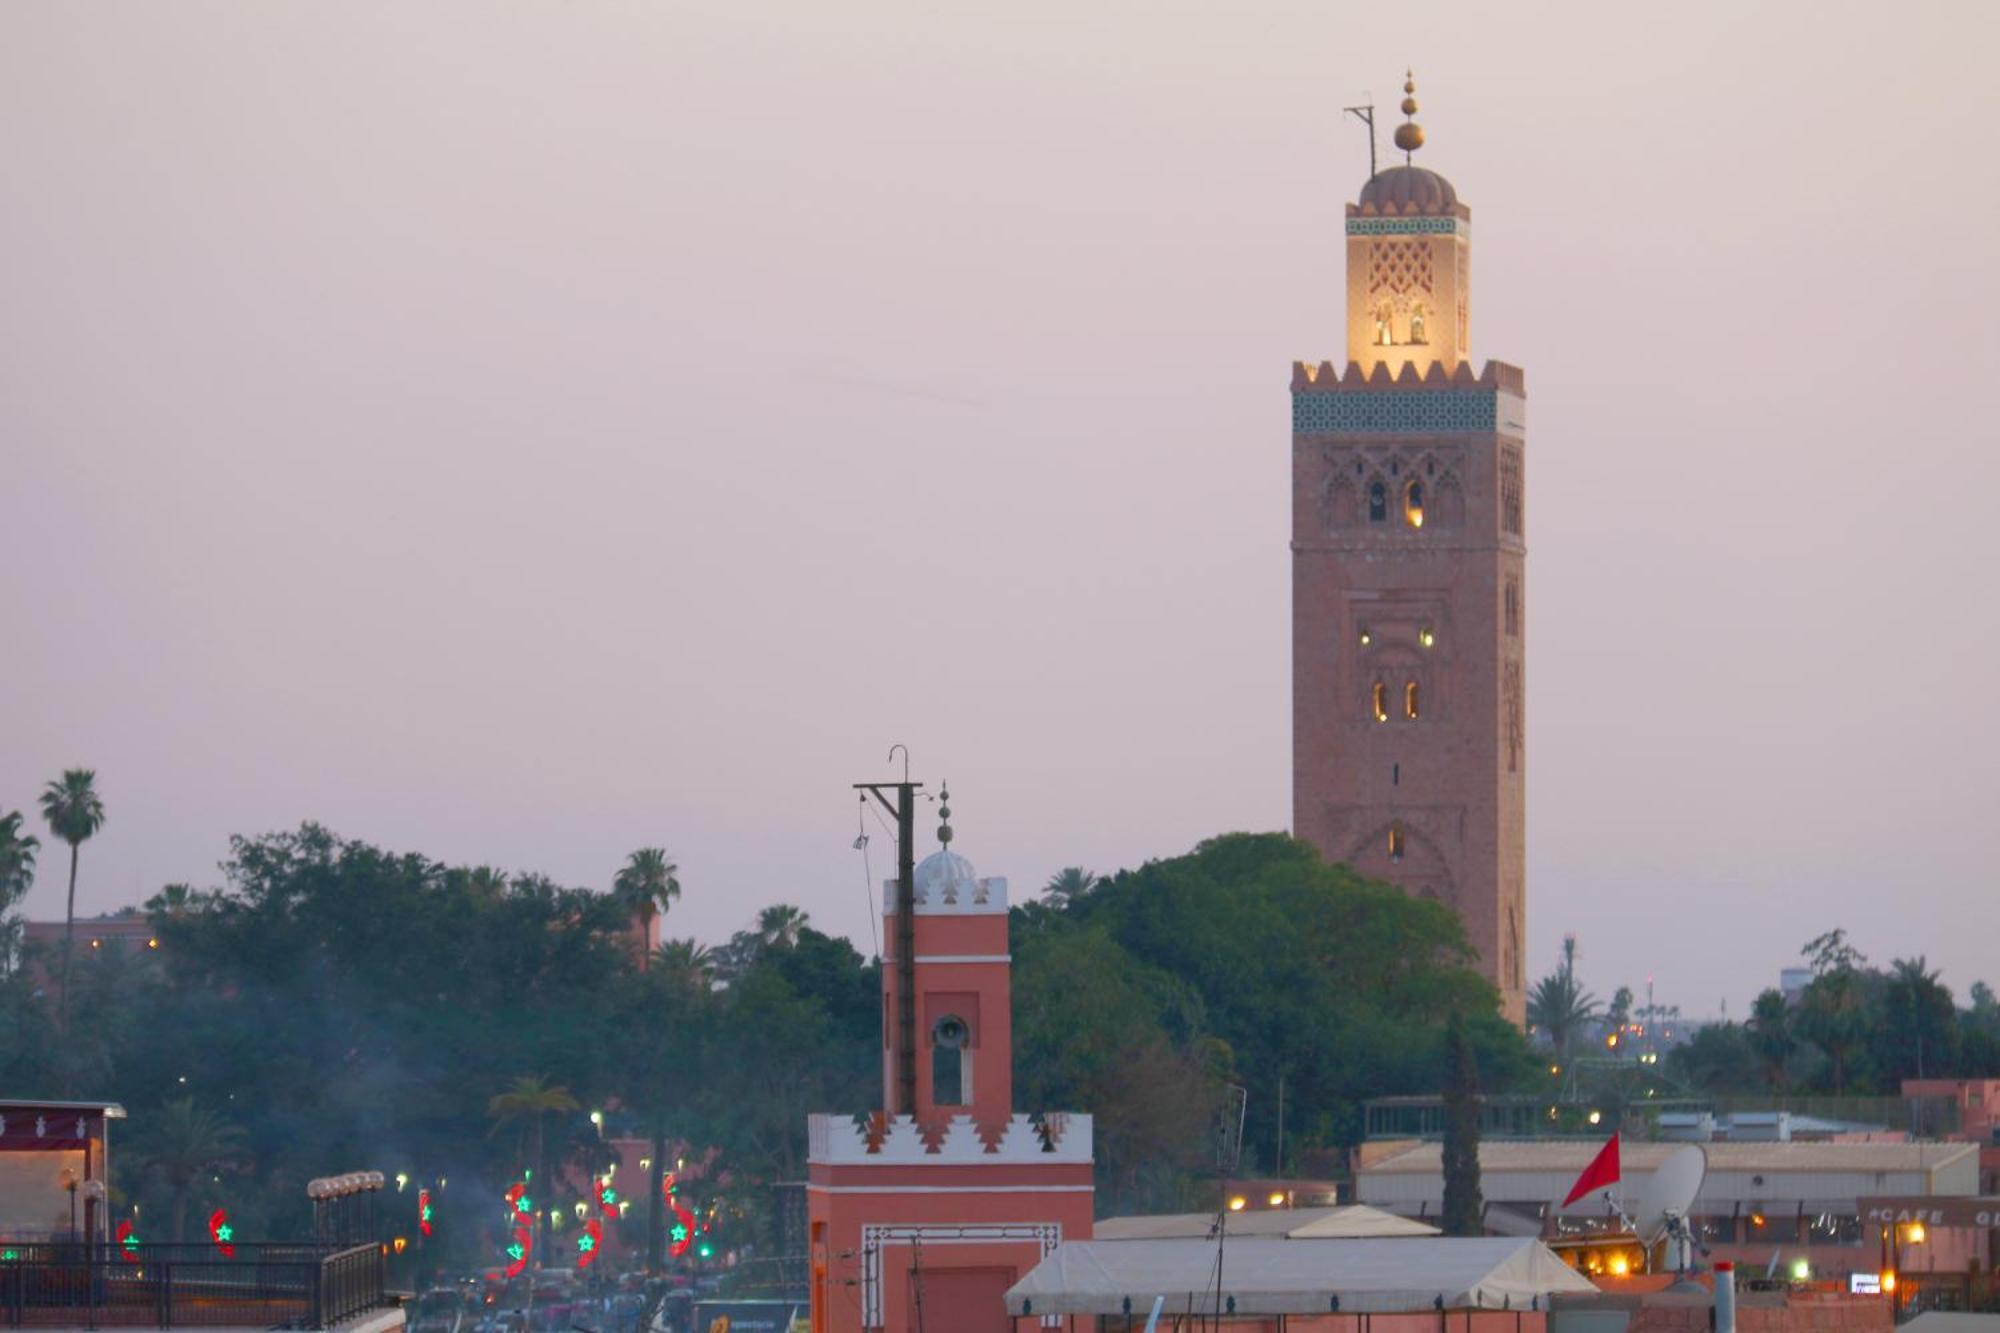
(946, 882)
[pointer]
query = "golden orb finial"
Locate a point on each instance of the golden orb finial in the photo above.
(1409, 135)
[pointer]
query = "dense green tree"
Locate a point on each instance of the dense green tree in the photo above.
(74, 812)
(1832, 1013)
(1302, 968)
(1916, 1034)
(1717, 1057)
(1092, 1029)
(1772, 1038)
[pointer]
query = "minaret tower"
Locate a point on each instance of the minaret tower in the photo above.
(1408, 647)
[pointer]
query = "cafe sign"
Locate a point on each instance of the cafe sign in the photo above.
(1932, 1211)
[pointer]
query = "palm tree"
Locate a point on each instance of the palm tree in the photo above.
(17, 859)
(648, 885)
(1559, 1005)
(1915, 992)
(532, 1099)
(687, 961)
(187, 1143)
(1069, 884)
(780, 924)
(74, 812)
(1771, 1036)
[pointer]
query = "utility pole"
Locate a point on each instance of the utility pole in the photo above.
(904, 808)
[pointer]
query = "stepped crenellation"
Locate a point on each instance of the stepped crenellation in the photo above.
(1053, 1138)
(1326, 378)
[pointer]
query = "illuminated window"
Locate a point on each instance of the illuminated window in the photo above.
(1381, 701)
(1378, 502)
(1366, 637)
(1395, 842)
(1410, 699)
(1427, 637)
(1413, 504)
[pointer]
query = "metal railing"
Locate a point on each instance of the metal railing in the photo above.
(261, 1285)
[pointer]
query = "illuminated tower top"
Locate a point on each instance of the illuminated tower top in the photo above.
(1409, 265)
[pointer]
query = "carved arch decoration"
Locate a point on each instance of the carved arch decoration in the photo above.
(1352, 471)
(1421, 870)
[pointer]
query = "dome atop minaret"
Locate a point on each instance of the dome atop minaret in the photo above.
(944, 881)
(1408, 188)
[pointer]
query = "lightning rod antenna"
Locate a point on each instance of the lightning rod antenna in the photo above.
(1366, 115)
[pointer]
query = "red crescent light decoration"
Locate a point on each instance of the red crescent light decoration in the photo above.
(128, 1243)
(607, 1197)
(683, 1232)
(221, 1233)
(520, 1250)
(589, 1243)
(424, 1212)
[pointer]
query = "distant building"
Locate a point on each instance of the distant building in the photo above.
(1408, 579)
(1761, 1203)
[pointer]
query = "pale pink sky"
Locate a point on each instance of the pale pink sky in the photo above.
(525, 432)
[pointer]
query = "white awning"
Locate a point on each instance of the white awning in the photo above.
(1374, 1276)
(1343, 1221)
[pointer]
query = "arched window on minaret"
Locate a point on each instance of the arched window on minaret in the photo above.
(1419, 331)
(951, 1071)
(1413, 504)
(1381, 700)
(1410, 700)
(1378, 502)
(1395, 842)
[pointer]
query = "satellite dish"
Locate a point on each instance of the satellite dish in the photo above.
(1664, 1203)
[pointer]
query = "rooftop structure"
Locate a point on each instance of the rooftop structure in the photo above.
(923, 1213)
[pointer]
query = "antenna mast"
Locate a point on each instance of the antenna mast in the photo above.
(904, 808)
(1366, 115)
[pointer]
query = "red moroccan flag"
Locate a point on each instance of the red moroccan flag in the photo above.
(1602, 1171)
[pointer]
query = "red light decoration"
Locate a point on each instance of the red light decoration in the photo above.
(424, 1212)
(518, 1252)
(683, 1231)
(220, 1233)
(589, 1243)
(128, 1242)
(607, 1197)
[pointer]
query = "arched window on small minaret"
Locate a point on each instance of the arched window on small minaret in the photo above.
(1378, 502)
(951, 1069)
(1413, 504)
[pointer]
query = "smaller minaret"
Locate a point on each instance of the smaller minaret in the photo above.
(961, 979)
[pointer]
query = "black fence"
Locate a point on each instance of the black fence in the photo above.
(262, 1285)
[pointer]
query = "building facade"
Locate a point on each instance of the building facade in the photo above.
(1408, 579)
(921, 1215)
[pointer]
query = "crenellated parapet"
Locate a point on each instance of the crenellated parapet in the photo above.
(1428, 402)
(1327, 378)
(1052, 1139)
